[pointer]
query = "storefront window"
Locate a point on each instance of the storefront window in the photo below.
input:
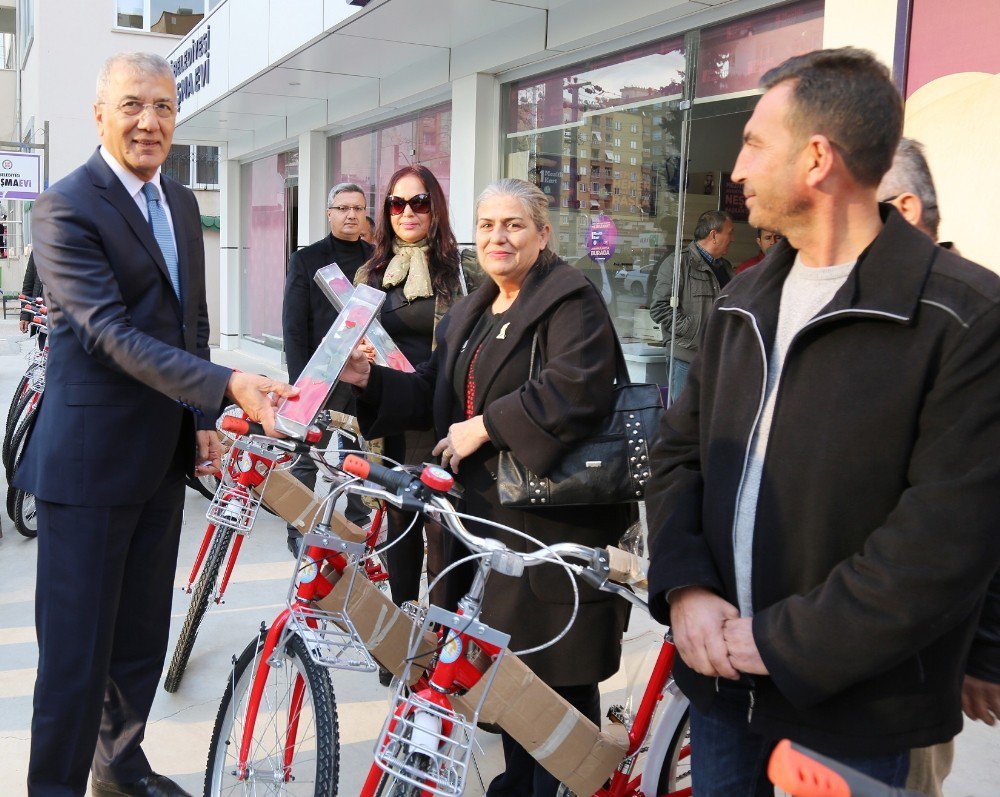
(269, 208)
(602, 139)
(370, 157)
(161, 16)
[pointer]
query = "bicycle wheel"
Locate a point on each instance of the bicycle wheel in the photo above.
(25, 514)
(200, 596)
(22, 386)
(202, 484)
(676, 773)
(315, 757)
(20, 435)
(24, 406)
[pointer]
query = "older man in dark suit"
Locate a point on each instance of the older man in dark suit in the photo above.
(129, 404)
(307, 315)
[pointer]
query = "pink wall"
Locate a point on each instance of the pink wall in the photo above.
(953, 36)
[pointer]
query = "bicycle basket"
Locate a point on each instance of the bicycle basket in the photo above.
(236, 502)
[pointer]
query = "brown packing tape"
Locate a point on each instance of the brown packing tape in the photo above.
(299, 505)
(383, 628)
(558, 736)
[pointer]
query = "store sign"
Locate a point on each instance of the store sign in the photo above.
(732, 200)
(20, 175)
(602, 236)
(191, 67)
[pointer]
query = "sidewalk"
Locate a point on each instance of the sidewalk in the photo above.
(181, 724)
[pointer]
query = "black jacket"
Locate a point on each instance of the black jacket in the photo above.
(32, 285)
(306, 313)
(539, 420)
(875, 532)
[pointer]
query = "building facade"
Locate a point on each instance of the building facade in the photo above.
(628, 115)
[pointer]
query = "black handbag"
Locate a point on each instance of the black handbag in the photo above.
(610, 466)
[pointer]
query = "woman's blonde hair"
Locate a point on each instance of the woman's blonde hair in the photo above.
(531, 197)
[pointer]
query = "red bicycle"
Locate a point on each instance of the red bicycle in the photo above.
(277, 732)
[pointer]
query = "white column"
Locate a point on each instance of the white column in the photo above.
(229, 251)
(475, 147)
(312, 188)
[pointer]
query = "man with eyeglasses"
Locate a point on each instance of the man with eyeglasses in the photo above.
(307, 315)
(131, 399)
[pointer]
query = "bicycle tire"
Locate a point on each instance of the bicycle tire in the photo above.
(22, 386)
(676, 772)
(18, 438)
(25, 517)
(6, 453)
(391, 786)
(317, 750)
(200, 596)
(11, 499)
(204, 485)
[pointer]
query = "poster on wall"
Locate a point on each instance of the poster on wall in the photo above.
(731, 199)
(602, 237)
(549, 176)
(20, 175)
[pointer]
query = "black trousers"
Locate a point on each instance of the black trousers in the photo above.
(102, 614)
(525, 777)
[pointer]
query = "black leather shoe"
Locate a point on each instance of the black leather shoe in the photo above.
(295, 545)
(152, 785)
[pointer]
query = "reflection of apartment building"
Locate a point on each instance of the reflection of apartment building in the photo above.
(176, 24)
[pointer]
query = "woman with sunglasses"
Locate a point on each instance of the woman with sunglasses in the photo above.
(416, 262)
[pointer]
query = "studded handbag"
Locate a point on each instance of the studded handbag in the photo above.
(610, 466)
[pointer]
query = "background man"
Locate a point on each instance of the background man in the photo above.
(909, 187)
(368, 233)
(824, 494)
(307, 315)
(765, 240)
(119, 249)
(703, 272)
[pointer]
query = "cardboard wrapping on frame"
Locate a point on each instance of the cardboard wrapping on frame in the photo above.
(299, 506)
(558, 736)
(384, 629)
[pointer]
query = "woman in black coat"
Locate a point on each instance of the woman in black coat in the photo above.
(476, 391)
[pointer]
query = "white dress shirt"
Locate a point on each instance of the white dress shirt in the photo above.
(134, 184)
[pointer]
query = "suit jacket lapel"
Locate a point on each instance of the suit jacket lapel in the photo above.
(114, 192)
(171, 192)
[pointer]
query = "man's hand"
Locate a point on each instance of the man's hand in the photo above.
(463, 439)
(980, 700)
(209, 450)
(696, 619)
(743, 653)
(257, 396)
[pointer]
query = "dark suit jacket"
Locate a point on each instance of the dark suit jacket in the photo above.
(128, 362)
(306, 313)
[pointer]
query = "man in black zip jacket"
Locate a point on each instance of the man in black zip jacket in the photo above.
(824, 493)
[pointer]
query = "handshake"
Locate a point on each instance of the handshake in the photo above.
(710, 635)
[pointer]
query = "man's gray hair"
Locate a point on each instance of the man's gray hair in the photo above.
(534, 201)
(143, 63)
(344, 188)
(710, 221)
(910, 174)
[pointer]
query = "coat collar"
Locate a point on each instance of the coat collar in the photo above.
(888, 279)
(115, 193)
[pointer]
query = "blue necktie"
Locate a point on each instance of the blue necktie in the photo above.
(164, 237)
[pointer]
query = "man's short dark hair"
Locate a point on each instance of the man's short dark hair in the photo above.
(710, 221)
(910, 174)
(847, 96)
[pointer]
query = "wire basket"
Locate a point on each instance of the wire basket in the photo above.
(331, 638)
(36, 378)
(425, 743)
(235, 504)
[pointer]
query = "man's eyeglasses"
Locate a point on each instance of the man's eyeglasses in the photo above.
(164, 110)
(345, 209)
(421, 203)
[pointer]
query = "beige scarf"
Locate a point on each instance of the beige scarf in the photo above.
(409, 265)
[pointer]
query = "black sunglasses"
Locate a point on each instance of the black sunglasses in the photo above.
(421, 203)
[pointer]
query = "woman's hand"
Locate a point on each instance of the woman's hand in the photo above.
(463, 439)
(358, 366)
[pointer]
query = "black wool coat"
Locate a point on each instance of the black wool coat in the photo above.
(539, 420)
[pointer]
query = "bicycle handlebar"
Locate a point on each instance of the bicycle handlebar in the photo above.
(804, 773)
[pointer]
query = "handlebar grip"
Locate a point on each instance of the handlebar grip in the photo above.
(804, 773)
(240, 426)
(625, 567)
(396, 481)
